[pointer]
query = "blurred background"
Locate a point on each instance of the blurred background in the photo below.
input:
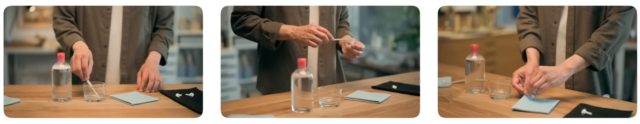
(494, 29)
(30, 46)
(391, 35)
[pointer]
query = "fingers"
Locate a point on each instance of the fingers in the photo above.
(347, 53)
(515, 82)
(311, 43)
(543, 80)
(89, 68)
(350, 53)
(325, 32)
(357, 45)
(85, 67)
(144, 79)
(157, 84)
(76, 67)
(545, 85)
(356, 51)
(314, 35)
(149, 79)
(139, 81)
(150, 82)
(529, 79)
(547, 79)
(539, 75)
(544, 77)
(82, 64)
(154, 82)
(314, 41)
(352, 48)
(317, 31)
(308, 37)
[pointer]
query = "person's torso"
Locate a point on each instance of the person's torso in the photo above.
(94, 23)
(582, 21)
(276, 66)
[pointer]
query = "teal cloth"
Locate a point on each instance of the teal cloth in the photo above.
(360, 95)
(530, 104)
(10, 101)
(444, 82)
(134, 98)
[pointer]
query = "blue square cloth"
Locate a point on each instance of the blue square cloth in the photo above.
(360, 95)
(10, 101)
(530, 104)
(134, 98)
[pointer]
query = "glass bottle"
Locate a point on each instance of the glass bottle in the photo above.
(302, 88)
(61, 80)
(474, 71)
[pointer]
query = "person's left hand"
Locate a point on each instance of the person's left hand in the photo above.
(149, 79)
(549, 76)
(351, 47)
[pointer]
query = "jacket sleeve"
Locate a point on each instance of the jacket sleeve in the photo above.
(64, 26)
(608, 38)
(529, 31)
(162, 35)
(343, 25)
(246, 21)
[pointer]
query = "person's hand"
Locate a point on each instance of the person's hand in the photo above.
(308, 35)
(81, 60)
(521, 75)
(351, 48)
(550, 76)
(149, 79)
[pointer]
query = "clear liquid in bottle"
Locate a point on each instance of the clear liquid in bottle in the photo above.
(474, 71)
(61, 80)
(302, 88)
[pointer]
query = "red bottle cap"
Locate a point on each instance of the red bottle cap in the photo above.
(61, 57)
(302, 63)
(474, 48)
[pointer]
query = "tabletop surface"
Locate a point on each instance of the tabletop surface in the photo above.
(279, 105)
(455, 102)
(36, 102)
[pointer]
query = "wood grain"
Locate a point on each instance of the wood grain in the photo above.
(455, 102)
(278, 105)
(36, 102)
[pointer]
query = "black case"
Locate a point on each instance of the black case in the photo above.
(400, 88)
(194, 104)
(597, 112)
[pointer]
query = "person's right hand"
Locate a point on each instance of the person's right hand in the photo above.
(81, 60)
(524, 74)
(309, 35)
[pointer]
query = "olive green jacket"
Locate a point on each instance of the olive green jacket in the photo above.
(144, 29)
(277, 58)
(593, 33)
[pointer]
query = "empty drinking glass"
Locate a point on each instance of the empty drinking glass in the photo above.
(95, 94)
(500, 89)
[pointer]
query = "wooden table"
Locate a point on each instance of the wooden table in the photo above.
(36, 102)
(279, 105)
(455, 102)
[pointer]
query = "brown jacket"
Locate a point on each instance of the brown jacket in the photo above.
(144, 29)
(594, 33)
(277, 59)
